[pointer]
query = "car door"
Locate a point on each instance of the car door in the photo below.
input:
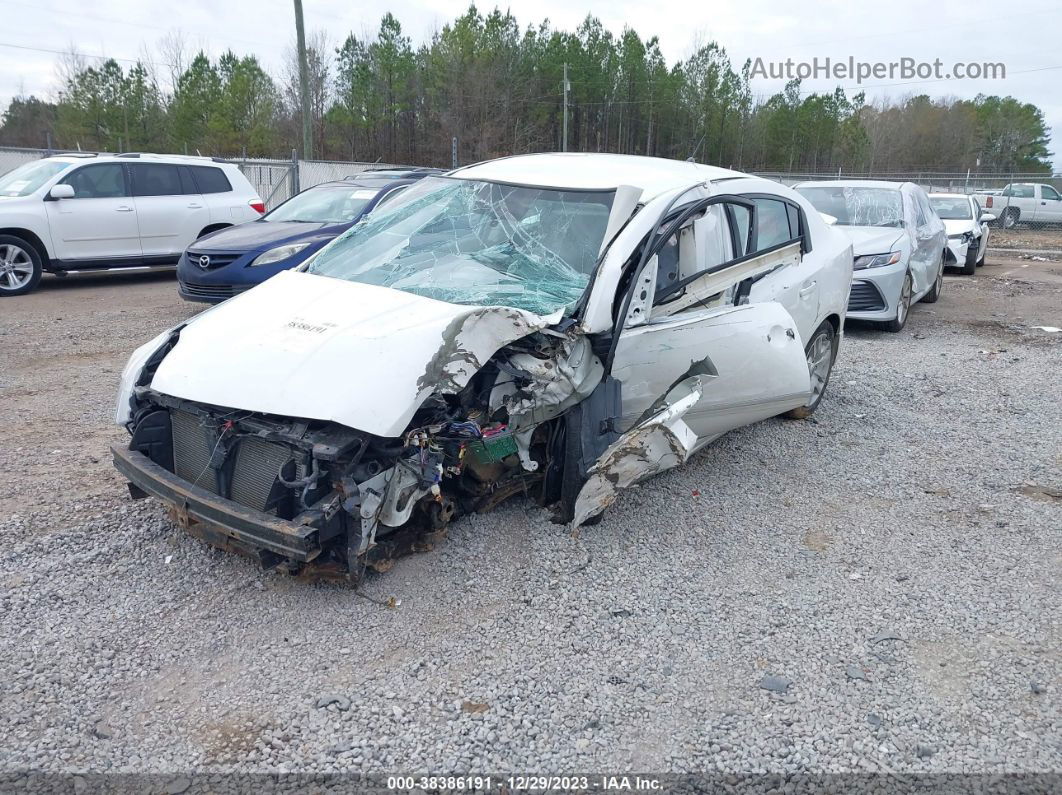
(692, 358)
(688, 315)
(795, 286)
(1049, 209)
(925, 256)
(99, 223)
(170, 211)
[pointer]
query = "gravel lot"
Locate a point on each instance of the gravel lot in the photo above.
(895, 560)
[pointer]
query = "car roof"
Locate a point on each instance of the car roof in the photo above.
(593, 171)
(853, 183)
(123, 157)
(950, 195)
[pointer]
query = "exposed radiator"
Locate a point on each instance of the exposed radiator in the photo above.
(255, 465)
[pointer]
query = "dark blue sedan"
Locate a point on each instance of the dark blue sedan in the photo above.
(227, 262)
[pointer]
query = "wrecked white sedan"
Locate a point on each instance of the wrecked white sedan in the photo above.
(557, 326)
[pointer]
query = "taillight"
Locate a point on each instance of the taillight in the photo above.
(988, 202)
(259, 206)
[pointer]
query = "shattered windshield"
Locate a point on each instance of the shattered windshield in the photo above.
(857, 206)
(469, 242)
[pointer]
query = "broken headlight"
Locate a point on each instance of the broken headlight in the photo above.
(279, 253)
(131, 374)
(964, 237)
(876, 260)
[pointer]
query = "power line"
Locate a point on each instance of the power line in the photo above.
(83, 54)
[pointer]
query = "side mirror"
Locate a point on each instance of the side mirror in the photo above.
(61, 192)
(987, 217)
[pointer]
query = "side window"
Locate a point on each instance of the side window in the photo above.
(772, 224)
(918, 211)
(187, 183)
(1023, 192)
(742, 219)
(156, 179)
(927, 208)
(1049, 192)
(700, 245)
(210, 179)
(102, 181)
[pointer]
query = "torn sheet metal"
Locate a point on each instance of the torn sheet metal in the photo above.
(554, 381)
(660, 442)
(325, 349)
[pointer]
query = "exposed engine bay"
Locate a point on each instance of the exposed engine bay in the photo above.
(359, 500)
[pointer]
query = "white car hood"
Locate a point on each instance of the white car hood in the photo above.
(872, 239)
(316, 347)
(958, 226)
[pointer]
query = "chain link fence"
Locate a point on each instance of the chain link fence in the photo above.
(1028, 207)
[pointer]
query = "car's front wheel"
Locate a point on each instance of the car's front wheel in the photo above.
(20, 266)
(970, 266)
(903, 307)
(821, 351)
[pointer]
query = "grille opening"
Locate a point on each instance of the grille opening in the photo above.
(253, 465)
(865, 297)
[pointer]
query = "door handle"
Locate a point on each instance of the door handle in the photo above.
(124, 209)
(807, 288)
(194, 206)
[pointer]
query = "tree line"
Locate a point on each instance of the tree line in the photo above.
(498, 89)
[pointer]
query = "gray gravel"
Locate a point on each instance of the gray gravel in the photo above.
(896, 560)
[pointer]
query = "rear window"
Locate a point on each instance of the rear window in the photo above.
(210, 179)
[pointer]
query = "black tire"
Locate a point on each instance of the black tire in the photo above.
(903, 311)
(824, 336)
(970, 266)
(1010, 217)
(981, 261)
(938, 285)
(16, 255)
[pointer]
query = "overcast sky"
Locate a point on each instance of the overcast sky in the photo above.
(1025, 36)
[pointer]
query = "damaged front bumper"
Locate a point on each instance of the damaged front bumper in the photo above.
(216, 520)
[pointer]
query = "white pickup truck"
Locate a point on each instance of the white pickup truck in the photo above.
(1024, 202)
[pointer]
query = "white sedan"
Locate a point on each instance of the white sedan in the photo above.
(559, 326)
(967, 227)
(899, 245)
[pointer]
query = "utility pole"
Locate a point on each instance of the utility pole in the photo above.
(304, 84)
(564, 134)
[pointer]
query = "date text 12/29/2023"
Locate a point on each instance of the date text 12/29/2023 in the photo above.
(525, 783)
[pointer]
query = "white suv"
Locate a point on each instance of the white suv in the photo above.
(84, 212)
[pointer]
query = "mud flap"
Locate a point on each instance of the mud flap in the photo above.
(661, 441)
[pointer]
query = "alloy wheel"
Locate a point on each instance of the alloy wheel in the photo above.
(16, 267)
(820, 360)
(905, 301)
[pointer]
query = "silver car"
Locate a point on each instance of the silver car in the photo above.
(898, 241)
